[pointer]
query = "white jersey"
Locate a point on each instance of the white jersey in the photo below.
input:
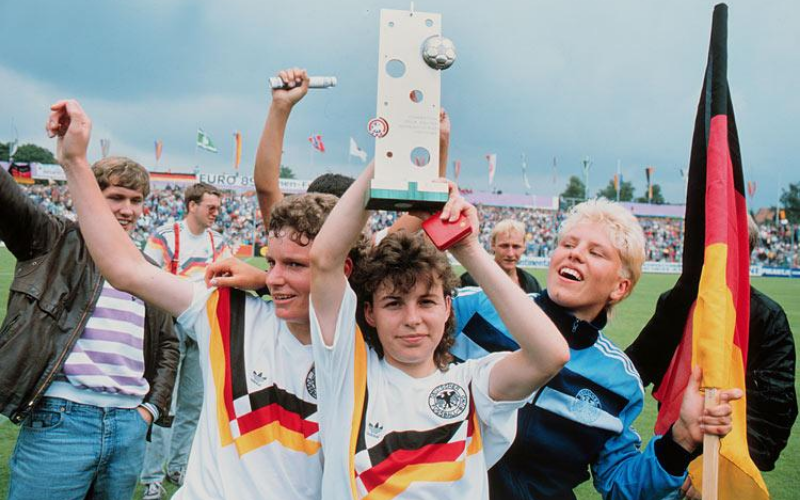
(258, 432)
(408, 438)
(194, 251)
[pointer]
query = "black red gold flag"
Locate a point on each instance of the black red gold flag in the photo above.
(21, 173)
(704, 319)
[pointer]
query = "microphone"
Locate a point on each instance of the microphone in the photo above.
(314, 82)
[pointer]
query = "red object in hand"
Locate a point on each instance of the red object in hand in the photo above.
(445, 234)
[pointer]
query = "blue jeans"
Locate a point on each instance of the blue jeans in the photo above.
(172, 445)
(69, 451)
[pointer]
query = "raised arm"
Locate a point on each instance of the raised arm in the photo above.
(119, 261)
(444, 141)
(543, 350)
(270, 147)
(329, 253)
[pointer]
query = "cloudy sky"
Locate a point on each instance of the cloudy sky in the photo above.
(616, 80)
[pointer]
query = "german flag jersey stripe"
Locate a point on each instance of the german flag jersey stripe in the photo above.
(252, 419)
(402, 458)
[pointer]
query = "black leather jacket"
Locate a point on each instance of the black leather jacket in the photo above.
(769, 376)
(771, 396)
(54, 290)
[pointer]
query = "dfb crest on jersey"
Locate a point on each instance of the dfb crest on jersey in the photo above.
(586, 406)
(311, 382)
(448, 400)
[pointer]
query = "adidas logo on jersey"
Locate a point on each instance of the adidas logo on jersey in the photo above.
(257, 378)
(375, 430)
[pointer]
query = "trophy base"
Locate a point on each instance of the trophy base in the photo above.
(404, 200)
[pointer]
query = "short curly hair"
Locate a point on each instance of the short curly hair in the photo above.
(399, 262)
(300, 217)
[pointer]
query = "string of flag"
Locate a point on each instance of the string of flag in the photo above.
(316, 141)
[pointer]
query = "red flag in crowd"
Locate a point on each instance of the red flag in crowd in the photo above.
(316, 143)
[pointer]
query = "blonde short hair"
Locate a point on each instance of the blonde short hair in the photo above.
(623, 230)
(506, 226)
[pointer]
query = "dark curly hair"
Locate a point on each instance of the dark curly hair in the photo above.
(301, 217)
(335, 184)
(398, 262)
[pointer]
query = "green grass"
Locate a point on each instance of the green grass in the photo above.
(628, 319)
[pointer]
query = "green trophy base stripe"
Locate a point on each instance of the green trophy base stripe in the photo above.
(405, 199)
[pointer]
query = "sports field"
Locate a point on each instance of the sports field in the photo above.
(628, 320)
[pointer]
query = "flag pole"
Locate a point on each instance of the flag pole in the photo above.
(711, 444)
(587, 163)
(778, 202)
(555, 174)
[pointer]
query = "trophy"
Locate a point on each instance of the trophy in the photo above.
(412, 53)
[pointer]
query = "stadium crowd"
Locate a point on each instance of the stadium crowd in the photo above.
(241, 224)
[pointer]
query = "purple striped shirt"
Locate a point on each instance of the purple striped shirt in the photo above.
(109, 356)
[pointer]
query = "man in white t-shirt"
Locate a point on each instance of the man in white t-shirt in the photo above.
(183, 248)
(258, 434)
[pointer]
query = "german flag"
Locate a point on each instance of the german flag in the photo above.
(21, 172)
(706, 315)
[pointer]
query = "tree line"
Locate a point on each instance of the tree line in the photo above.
(577, 189)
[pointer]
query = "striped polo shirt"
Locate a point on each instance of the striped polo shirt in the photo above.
(106, 365)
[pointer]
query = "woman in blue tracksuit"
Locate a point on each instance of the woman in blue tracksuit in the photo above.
(583, 417)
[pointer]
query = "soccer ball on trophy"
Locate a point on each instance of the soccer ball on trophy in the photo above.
(439, 52)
